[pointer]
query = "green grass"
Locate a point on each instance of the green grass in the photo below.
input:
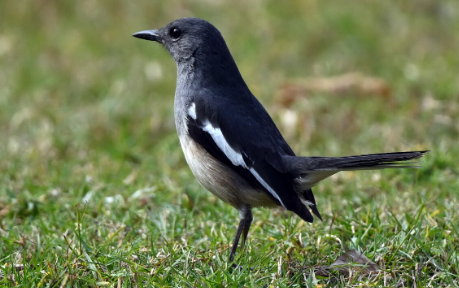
(94, 189)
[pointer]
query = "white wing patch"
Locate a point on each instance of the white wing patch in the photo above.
(192, 111)
(234, 156)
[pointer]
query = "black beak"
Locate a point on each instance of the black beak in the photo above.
(151, 35)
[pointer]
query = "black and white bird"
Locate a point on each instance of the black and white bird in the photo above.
(230, 142)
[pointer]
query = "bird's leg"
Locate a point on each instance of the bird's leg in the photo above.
(243, 228)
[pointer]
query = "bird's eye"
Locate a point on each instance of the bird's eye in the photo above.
(175, 33)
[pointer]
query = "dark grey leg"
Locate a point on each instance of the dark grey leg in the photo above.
(243, 228)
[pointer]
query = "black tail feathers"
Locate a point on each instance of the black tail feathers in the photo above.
(300, 165)
(310, 170)
(309, 196)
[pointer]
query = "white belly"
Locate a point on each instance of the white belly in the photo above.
(220, 179)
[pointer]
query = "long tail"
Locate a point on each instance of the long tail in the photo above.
(302, 165)
(308, 171)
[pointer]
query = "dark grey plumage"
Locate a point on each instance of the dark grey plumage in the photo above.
(231, 143)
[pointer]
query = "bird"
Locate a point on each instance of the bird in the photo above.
(229, 140)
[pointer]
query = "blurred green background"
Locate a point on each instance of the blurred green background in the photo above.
(86, 112)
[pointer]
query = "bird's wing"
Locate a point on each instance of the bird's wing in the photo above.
(248, 141)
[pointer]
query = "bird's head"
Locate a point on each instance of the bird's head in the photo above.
(187, 38)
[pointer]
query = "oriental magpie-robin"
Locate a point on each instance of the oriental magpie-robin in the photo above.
(231, 144)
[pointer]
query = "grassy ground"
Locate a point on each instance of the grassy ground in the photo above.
(94, 189)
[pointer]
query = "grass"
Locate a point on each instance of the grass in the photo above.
(94, 189)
